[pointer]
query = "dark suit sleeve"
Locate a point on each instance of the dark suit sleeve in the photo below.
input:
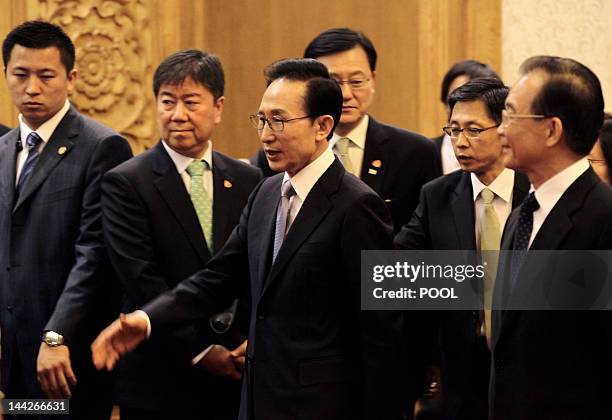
(225, 278)
(89, 273)
(415, 234)
(129, 239)
(367, 227)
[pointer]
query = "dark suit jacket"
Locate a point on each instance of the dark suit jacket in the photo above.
(155, 240)
(396, 163)
(312, 354)
(438, 143)
(444, 220)
(555, 364)
(51, 245)
(4, 129)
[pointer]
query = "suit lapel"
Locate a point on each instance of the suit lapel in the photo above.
(58, 147)
(172, 190)
(8, 158)
(263, 230)
(550, 236)
(223, 196)
(375, 156)
(313, 210)
(462, 205)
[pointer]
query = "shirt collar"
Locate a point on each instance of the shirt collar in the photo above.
(305, 179)
(182, 162)
(502, 186)
(46, 129)
(551, 191)
(357, 134)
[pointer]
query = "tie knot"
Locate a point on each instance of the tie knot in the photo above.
(197, 168)
(487, 196)
(530, 204)
(343, 145)
(287, 189)
(33, 140)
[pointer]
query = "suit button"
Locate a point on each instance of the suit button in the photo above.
(261, 315)
(9, 308)
(8, 268)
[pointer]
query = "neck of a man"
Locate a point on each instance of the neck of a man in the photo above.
(547, 168)
(343, 129)
(491, 175)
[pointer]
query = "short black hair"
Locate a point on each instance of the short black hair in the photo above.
(572, 93)
(39, 34)
(323, 94)
(202, 67)
(490, 90)
(336, 40)
(469, 68)
(605, 140)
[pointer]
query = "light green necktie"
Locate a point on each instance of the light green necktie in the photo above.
(342, 148)
(200, 198)
(490, 237)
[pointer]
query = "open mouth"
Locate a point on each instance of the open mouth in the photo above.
(271, 154)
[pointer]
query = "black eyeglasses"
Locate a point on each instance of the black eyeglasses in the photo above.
(275, 124)
(470, 133)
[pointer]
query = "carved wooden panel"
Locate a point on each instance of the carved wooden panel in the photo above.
(113, 48)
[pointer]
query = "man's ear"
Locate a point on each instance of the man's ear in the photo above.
(554, 131)
(324, 124)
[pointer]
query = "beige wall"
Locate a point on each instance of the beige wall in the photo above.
(119, 44)
(578, 29)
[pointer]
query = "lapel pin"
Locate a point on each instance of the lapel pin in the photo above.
(372, 171)
(61, 150)
(227, 183)
(376, 163)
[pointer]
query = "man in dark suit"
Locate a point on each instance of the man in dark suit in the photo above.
(56, 281)
(552, 364)
(156, 238)
(460, 73)
(312, 353)
(451, 216)
(394, 162)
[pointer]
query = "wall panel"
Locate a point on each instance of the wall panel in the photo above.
(121, 41)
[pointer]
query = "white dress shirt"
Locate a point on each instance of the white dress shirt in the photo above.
(551, 191)
(304, 180)
(502, 186)
(356, 148)
(45, 131)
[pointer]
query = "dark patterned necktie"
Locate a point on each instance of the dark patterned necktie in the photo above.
(522, 235)
(32, 142)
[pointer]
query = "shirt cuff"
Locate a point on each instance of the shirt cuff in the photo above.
(143, 315)
(200, 356)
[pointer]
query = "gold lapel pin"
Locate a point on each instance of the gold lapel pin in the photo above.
(227, 183)
(372, 171)
(377, 163)
(61, 150)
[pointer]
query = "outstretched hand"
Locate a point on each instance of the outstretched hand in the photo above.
(119, 338)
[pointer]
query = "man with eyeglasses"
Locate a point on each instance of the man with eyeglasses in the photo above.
(394, 162)
(552, 364)
(312, 353)
(467, 210)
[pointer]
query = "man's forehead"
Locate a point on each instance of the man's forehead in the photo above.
(347, 63)
(283, 95)
(470, 111)
(185, 87)
(525, 89)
